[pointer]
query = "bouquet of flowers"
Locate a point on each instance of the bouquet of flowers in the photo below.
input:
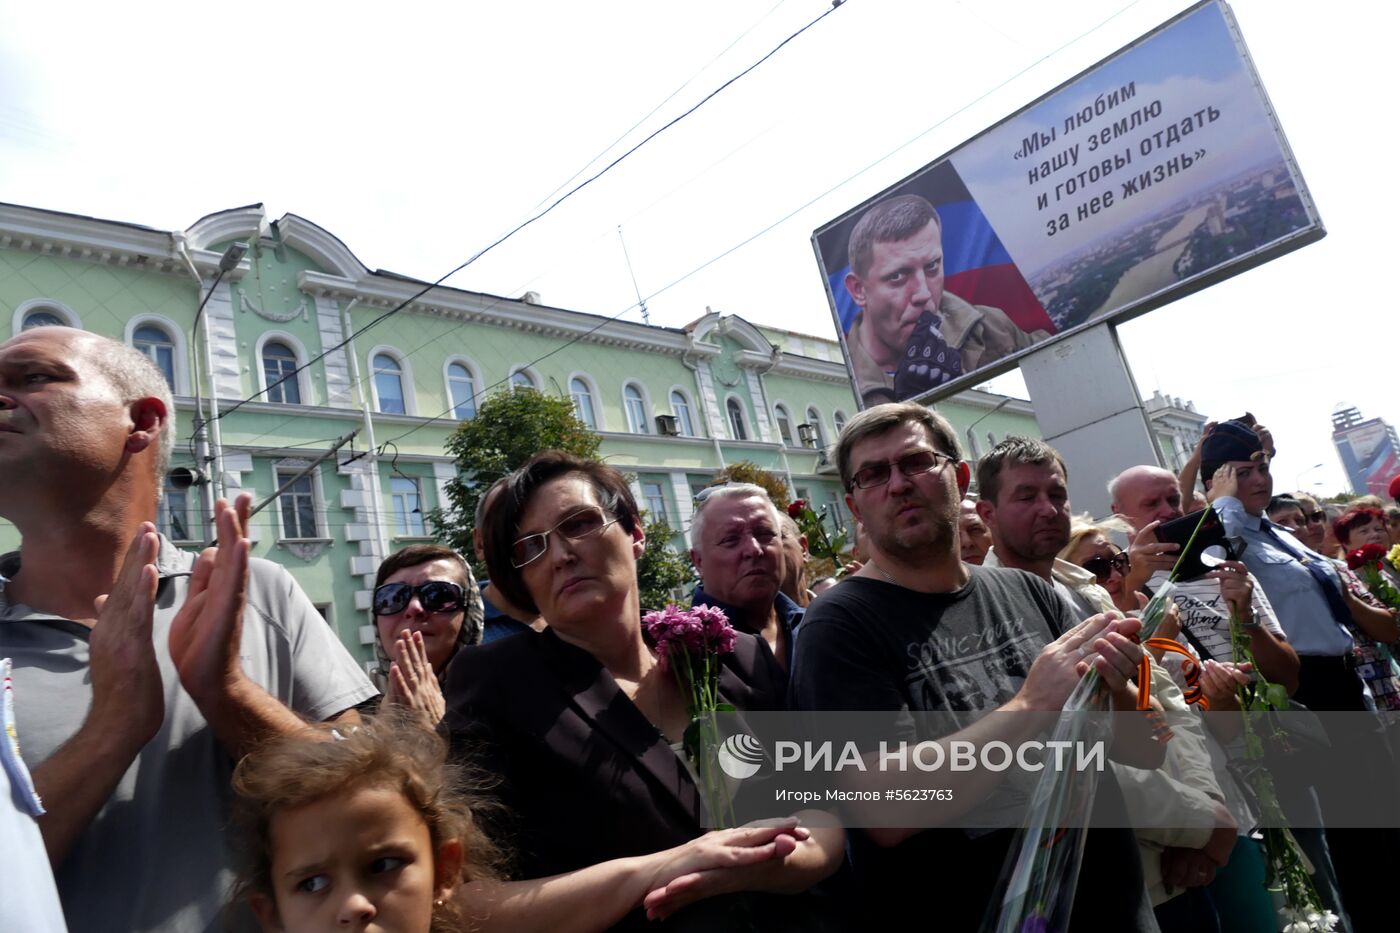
(1392, 557)
(819, 544)
(689, 643)
(1370, 563)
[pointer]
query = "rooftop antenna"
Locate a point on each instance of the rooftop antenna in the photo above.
(641, 302)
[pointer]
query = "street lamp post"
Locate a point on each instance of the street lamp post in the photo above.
(1298, 480)
(971, 440)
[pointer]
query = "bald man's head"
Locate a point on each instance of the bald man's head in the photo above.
(1145, 494)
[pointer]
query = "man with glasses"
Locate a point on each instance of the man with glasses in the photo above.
(1146, 496)
(145, 674)
(918, 630)
(737, 548)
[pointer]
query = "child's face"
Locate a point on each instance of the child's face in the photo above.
(361, 861)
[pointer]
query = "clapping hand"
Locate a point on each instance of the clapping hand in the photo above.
(207, 631)
(125, 675)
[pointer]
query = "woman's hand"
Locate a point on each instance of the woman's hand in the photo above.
(1220, 680)
(412, 682)
(720, 862)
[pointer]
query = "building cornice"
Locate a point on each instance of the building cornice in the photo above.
(376, 291)
(69, 236)
(805, 367)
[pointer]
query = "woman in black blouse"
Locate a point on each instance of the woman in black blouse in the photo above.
(579, 724)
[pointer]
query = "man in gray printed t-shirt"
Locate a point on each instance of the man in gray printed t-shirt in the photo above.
(142, 673)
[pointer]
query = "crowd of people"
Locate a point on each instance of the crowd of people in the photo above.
(203, 754)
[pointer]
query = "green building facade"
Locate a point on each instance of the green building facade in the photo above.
(673, 405)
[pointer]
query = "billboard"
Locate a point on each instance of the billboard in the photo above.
(1369, 454)
(1155, 173)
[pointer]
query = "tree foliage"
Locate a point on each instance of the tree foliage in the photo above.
(510, 427)
(663, 573)
(746, 471)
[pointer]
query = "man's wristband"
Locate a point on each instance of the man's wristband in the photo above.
(1249, 622)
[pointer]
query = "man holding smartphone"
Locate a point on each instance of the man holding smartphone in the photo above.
(1146, 497)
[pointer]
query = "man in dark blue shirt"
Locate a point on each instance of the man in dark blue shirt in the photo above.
(737, 549)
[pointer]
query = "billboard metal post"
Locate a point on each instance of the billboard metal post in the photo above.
(1088, 408)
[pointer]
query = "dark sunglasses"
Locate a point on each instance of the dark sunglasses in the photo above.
(1102, 567)
(1317, 516)
(434, 596)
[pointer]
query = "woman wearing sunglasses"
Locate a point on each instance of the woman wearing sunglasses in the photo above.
(1090, 548)
(426, 606)
(579, 725)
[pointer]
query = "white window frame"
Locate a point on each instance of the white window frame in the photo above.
(398, 530)
(318, 498)
(56, 308)
(743, 418)
(665, 515)
(173, 337)
(781, 411)
(405, 380)
(646, 427)
(478, 387)
(594, 397)
(696, 428)
(838, 421)
(817, 423)
(535, 381)
(303, 375)
(193, 521)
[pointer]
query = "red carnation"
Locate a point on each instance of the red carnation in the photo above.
(1367, 556)
(797, 508)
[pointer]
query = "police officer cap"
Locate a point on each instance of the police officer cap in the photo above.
(1231, 440)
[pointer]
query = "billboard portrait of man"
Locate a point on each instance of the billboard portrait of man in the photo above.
(910, 333)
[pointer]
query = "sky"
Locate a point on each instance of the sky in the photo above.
(419, 133)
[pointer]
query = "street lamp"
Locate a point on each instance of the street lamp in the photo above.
(972, 441)
(1298, 480)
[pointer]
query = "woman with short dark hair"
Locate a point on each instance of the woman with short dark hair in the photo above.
(583, 726)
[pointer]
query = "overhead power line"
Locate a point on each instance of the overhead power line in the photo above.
(532, 219)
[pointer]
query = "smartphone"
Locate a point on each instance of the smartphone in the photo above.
(1211, 538)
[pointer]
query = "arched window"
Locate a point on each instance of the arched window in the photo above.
(780, 414)
(736, 420)
(155, 343)
(636, 410)
(40, 318)
(838, 417)
(814, 418)
(461, 387)
(583, 402)
(520, 379)
(279, 373)
(388, 385)
(685, 424)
